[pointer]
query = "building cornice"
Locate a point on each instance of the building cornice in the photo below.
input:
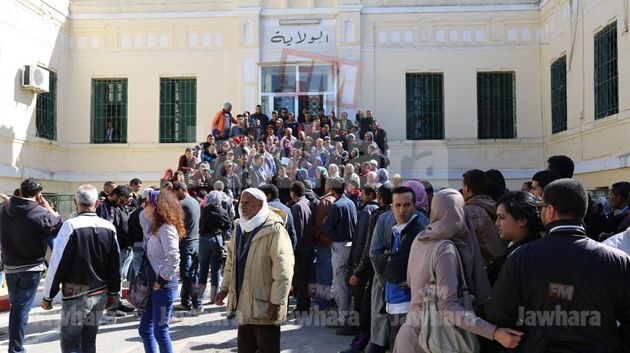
(323, 11)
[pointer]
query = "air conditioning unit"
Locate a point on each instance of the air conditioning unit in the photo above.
(35, 78)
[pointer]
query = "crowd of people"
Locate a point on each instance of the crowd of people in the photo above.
(288, 217)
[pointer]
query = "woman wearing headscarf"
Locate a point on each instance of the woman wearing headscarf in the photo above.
(348, 170)
(397, 180)
(163, 224)
(319, 181)
(301, 175)
(449, 222)
(383, 175)
(422, 202)
(355, 156)
(333, 171)
(317, 162)
(371, 178)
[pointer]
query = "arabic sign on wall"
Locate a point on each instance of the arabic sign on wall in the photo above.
(299, 37)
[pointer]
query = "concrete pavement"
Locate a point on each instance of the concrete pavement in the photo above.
(208, 332)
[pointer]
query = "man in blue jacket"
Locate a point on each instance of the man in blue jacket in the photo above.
(340, 224)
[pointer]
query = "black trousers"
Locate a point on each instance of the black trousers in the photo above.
(395, 323)
(303, 260)
(258, 338)
(365, 320)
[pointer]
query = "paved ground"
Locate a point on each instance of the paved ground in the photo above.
(208, 332)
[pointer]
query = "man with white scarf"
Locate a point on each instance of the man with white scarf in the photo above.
(258, 274)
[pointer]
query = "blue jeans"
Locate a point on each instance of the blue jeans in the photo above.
(209, 260)
(188, 270)
(136, 261)
(153, 327)
(126, 255)
(22, 289)
(324, 276)
(79, 323)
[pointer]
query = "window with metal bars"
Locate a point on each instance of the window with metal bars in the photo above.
(606, 81)
(559, 95)
(496, 106)
(425, 106)
(178, 110)
(109, 111)
(46, 111)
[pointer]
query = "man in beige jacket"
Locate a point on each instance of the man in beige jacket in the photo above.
(258, 274)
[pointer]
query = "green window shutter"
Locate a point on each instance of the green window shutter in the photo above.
(605, 71)
(559, 95)
(496, 105)
(46, 111)
(109, 109)
(178, 110)
(425, 106)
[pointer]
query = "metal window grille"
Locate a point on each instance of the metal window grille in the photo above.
(606, 79)
(109, 111)
(496, 106)
(178, 110)
(559, 95)
(46, 111)
(425, 106)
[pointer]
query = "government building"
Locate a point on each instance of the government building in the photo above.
(97, 90)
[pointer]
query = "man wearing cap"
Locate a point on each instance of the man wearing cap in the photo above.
(222, 121)
(24, 224)
(202, 179)
(257, 275)
(279, 128)
(352, 143)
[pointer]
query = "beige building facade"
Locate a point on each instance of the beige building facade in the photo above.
(346, 55)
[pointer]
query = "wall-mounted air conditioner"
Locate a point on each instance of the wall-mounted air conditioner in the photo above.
(35, 78)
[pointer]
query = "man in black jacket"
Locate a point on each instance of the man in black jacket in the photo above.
(85, 261)
(380, 137)
(115, 209)
(303, 215)
(362, 272)
(368, 205)
(619, 196)
(568, 292)
(24, 224)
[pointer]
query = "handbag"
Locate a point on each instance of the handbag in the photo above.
(437, 334)
(140, 287)
(223, 248)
